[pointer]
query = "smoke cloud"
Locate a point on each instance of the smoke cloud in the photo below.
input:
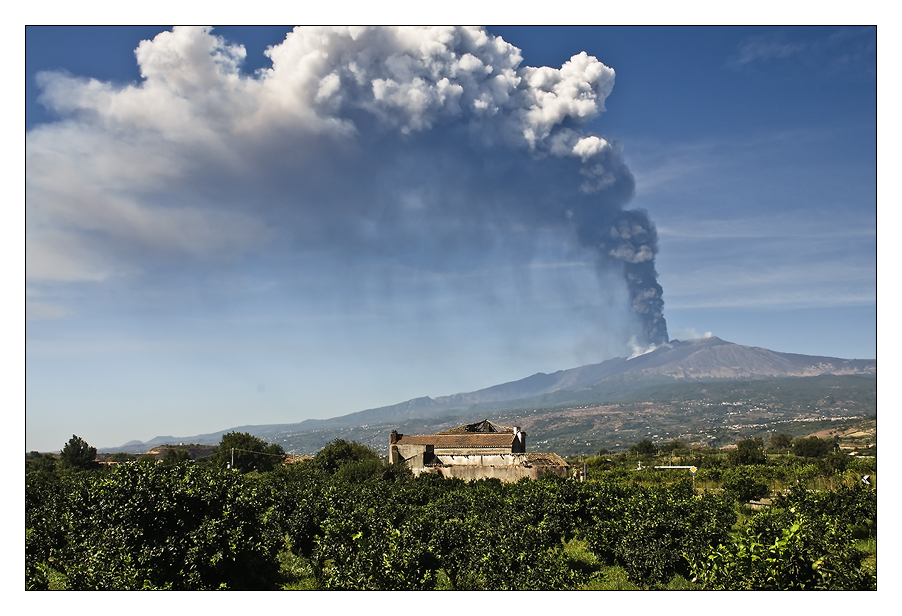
(474, 153)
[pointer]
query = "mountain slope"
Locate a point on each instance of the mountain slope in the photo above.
(705, 358)
(691, 360)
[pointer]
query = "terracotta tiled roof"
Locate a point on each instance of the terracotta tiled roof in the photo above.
(455, 441)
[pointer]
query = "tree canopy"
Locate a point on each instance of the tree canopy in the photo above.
(813, 447)
(674, 445)
(780, 442)
(644, 447)
(339, 452)
(248, 452)
(78, 454)
(175, 456)
(748, 451)
(355, 523)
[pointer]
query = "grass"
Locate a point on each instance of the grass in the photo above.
(869, 547)
(296, 572)
(58, 581)
(611, 578)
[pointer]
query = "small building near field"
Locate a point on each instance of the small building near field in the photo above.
(478, 450)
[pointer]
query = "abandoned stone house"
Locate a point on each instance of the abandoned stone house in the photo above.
(478, 450)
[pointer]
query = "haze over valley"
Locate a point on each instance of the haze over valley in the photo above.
(706, 392)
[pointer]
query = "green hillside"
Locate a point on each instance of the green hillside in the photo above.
(610, 416)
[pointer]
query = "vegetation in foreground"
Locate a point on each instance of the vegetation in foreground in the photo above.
(344, 520)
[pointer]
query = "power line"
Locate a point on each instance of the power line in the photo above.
(259, 453)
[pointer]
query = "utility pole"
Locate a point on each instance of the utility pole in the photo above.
(233, 458)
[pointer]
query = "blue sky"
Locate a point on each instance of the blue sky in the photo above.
(379, 216)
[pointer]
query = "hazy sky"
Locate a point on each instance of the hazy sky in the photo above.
(258, 225)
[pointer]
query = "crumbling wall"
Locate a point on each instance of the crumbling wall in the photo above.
(416, 456)
(507, 473)
(506, 467)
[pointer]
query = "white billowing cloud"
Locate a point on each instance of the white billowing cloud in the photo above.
(409, 78)
(587, 147)
(121, 167)
(391, 141)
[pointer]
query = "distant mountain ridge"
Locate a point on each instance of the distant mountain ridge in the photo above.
(701, 359)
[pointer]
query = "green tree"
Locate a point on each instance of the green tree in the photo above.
(674, 445)
(144, 526)
(340, 452)
(121, 456)
(808, 554)
(813, 447)
(78, 454)
(644, 448)
(748, 451)
(45, 464)
(654, 532)
(744, 485)
(248, 452)
(176, 456)
(780, 442)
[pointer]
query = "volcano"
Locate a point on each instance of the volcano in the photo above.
(703, 359)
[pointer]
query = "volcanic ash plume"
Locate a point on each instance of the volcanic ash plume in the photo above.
(389, 141)
(631, 239)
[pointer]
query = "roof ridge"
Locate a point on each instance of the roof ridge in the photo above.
(479, 427)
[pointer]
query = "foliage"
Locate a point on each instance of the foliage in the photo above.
(653, 532)
(45, 525)
(748, 451)
(643, 448)
(853, 507)
(175, 456)
(813, 447)
(247, 453)
(744, 484)
(673, 445)
(339, 452)
(806, 555)
(77, 454)
(346, 521)
(43, 464)
(121, 456)
(804, 542)
(150, 526)
(779, 442)
(833, 462)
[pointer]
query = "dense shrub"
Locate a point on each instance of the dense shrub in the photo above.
(748, 451)
(809, 553)
(150, 526)
(355, 523)
(654, 533)
(744, 484)
(340, 452)
(813, 447)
